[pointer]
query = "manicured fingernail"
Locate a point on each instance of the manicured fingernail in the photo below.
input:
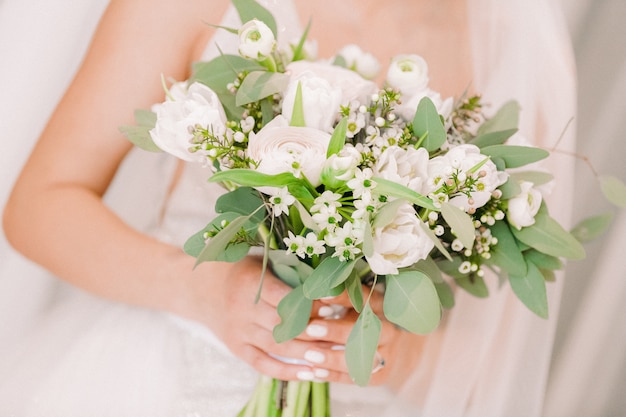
(321, 373)
(338, 347)
(326, 311)
(305, 375)
(314, 356)
(316, 330)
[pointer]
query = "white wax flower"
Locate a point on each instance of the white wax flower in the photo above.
(399, 244)
(523, 208)
(360, 61)
(320, 101)
(183, 109)
(407, 108)
(461, 159)
(408, 167)
(256, 40)
(408, 73)
(279, 148)
(352, 85)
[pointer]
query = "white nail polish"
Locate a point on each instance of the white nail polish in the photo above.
(326, 311)
(321, 373)
(305, 375)
(314, 356)
(316, 330)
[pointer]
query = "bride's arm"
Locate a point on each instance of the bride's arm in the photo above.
(56, 216)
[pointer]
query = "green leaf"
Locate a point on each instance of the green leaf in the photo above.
(298, 51)
(297, 113)
(493, 138)
(435, 240)
(361, 346)
(368, 240)
(428, 125)
(541, 261)
(531, 290)
(222, 70)
(461, 224)
(445, 293)
(510, 189)
(506, 254)
(613, 189)
(330, 273)
(252, 178)
(338, 139)
(139, 135)
(260, 84)
(250, 9)
(355, 291)
(549, 237)
(243, 200)
(474, 285)
(506, 118)
(592, 227)
(393, 189)
(387, 213)
(536, 177)
(515, 156)
(218, 246)
(294, 311)
(411, 301)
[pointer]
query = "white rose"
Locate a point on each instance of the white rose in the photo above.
(399, 244)
(256, 40)
(461, 159)
(351, 84)
(408, 107)
(186, 107)
(340, 167)
(362, 62)
(408, 73)
(523, 208)
(408, 167)
(279, 148)
(320, 101)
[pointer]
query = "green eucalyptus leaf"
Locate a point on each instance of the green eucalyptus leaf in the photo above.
(297, 113)
(450, 266)
(613, 189)
(330, 273)
(592, 227)
(306, 218)
(474, 285)
(362, 345)
(139, 135)
(549, 237)
(515, 156)
(461, 224)
(219, 247)
(435, 240)
(393, 189)
(531, 290)
(548, 275)
(243, 200)
(287, 274)
(387, 213)
(445, 293)
(427, 124)
(355, 291)
(250, 9)
(222, 70)
(260, 84)
(506, 118)
(338, 138)
(506, 254)
(430, 268)
(294, 311)
(510, 189)
(493, 138)
(541, 261)
(368, 240)
(536, 177)
(252, 178)
(411, 301)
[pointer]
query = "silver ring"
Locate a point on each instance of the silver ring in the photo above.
(381, 363)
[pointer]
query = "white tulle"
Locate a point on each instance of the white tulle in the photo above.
(70, 354)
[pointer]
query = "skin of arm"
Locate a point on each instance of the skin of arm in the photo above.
(56, 217)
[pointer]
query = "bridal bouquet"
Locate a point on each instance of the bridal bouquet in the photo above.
(345, 183)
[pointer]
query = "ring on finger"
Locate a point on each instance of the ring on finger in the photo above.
(380, 363)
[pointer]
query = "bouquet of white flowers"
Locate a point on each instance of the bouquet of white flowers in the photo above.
(344, 183)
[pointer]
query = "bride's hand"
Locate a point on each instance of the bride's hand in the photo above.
(221, 296)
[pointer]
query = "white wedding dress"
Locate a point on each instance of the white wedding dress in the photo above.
(72, 354)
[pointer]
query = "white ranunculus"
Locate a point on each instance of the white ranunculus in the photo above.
(185, 108)
(523, 208)
(279, 148)
(461, 159)
(408, 107)
(340, 167)
(408, 167)
(320, 101)
(351, 84)
(256, 40)
(360, 61)
(408, 73)
(399, 244)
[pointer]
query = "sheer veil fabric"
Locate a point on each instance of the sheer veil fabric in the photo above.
(490, 357)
